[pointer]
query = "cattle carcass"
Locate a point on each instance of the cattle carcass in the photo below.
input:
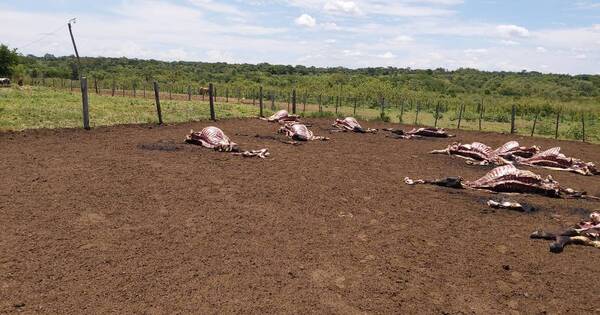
(554, 160)
(299, 132)
(281, 116)
(485, 155)
(351, 124)
(214, 138)
(584, 233)
(508, 179)
(475, 151)
(419, 133)
(512, 149)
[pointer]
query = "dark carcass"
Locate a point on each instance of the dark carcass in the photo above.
(419, 133)
(584, 233)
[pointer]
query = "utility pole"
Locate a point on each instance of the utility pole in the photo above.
(74, 45)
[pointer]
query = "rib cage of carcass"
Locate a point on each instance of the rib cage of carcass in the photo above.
(281, 117)
(485, 155)
(420, 132)
(299, 132)
(508, 179)
(214, 138)
(554, 160)
(351, 124)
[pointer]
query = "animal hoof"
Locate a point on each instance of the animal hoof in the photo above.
(556, 248)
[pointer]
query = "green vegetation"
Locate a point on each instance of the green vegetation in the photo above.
(8, 59)
(404, 92)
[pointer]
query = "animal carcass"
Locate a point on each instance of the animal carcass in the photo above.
(281, 117)
(351, 124)
(584, 233)
(299, 132)
(554, 160)
(485, 155)
(508, 179)
(214, 138)
(475, 151)
(419, 133)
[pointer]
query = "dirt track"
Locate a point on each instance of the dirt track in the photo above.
(93, 223)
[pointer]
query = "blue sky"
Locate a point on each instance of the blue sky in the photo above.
(557, 36)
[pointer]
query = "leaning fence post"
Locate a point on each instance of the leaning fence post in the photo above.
(583, 126)
(84, 100)
(211, 102)
(95, 85)
(382, 110)
(157, 98)
(512, 118)
(537, 114)
(437, 114)
(293, 101)
(557, 122)
(260, 100)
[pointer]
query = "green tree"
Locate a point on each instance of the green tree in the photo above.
(8, 58)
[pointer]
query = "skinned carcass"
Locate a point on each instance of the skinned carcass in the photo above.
(419, 133)
(299, 132)
(554, 160)
(281, 116)
(485, 155)
(351, 124)
(475, 151)
(508, 179)
(214, 138)
(584, 233)
(512, 149)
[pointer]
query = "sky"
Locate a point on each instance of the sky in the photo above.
(550, 36)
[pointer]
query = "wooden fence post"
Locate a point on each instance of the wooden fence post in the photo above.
(557, 122)
(71, 85)
(320, 103)
(583, 126)
(337, 100)
(189, 93)
(537, 114)
(417, 115)
(401, 111)
(513, 112)
(260, 101)
(480, 114)
(113, 88)
(293, 101)
(354, 110)
(84, 100)
(144, 84)
(227, 95)
(157, 99)
(304, 102)
(171, 92)
(211, 102)
(123, 90)
(460, 113)
(95, 85)
(382, 105)
(272, 101)
(437, 114)
(133, 87)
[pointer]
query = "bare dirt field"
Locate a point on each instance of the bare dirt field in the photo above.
(100, 221)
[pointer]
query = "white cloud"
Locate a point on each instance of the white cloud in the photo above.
(341, 6)
(512, 31)
(351, 53)
(217, 6)
(508, 42)
(541, 49)
(473, 51)
(330, 26)
(403, 39)
(387, 55)
(330, 41)
(305, 20)
(580, 56)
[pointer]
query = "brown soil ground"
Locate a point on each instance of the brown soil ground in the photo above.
(103, 221)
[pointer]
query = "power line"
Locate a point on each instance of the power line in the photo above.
(44, 35)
